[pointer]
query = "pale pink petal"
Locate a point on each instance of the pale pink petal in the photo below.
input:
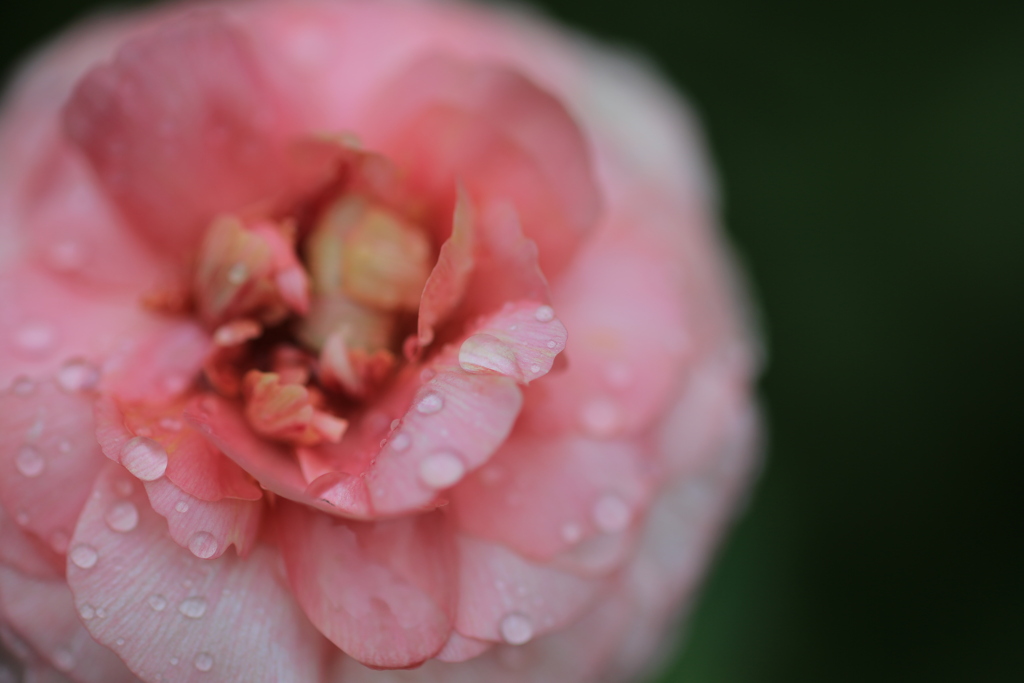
(491, 128)
(459, 648)
(169, 614)
(182, 125)
(543, 496)
(505, 598)
(206, 528)
(47, 321)
(630, 340)
(25, 553)
(520, 341)
(44, 614)
(48, 458)
(382, 591)
(160, 365)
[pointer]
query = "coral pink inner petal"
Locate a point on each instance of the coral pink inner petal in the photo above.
(382, 591)
(455, 421)
(543, 496)
(43, 613)
(183, 124)
(505, 598)
(170, 614)
(159, 365)
(491, 128)
(48, 458)
(459, 648)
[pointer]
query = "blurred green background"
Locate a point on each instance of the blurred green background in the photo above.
(872, 157)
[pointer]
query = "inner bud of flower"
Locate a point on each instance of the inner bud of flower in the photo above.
(299, 339)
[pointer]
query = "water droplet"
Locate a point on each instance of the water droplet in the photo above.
(35, 337)
(119, 642)
(123, 517)
(87, 611)
(157, 602)
(84, 556)
(238, 274)
(516, 629)
(441, 470)
(78, 375)
(544, 314)
(29, 462)
(427, 374)
(203, 661)
(395, 423)
(535, 369)
(181, 506)
(203, 545)
(193, 608)
(612, 514)
(175, 383)
(171, 424)
(100, 612)
(23, 386)
(571, 532)
(430, 404)
(601, 418)
(123, 487)
(144, 458)
(552, 343)
(174, 661)
(401, 442)
(63, 660)
(618, 375)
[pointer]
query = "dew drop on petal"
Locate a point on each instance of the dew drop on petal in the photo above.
(174, 661)
(119, 642)
(430, 404)
(78, 375)
(123, 517)
(84, 556)
(157, 602)
(203, 545)
(612, 514)
(23, 386)
(63, 660)
(87, 611)
(181, 506)
(535, 369)
(203, 662)
(516, 629)
(401, 442)
(601, 418)
(571, 532)
(123, 487)
(35, 337)
(171, 424)
(144, 458)
(544, 314)
(29, 462)
(441, 470)
(552, 344)
(193, 608)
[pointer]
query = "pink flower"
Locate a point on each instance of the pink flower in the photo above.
(284, 297)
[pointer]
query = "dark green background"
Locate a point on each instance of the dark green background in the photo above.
(872, 156)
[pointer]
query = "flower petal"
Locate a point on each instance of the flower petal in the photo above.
(505, 598)
(504, 137)
(383, 592)
(521, 342)
(182, 125)
(459, 648)
(48, 458)
(170, 614)
(43, 612)
(543, 496)
(25, 553)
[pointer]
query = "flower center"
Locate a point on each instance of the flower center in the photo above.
(308, 316)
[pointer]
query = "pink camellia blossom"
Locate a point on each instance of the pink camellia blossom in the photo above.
(357, 341)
